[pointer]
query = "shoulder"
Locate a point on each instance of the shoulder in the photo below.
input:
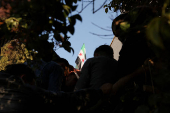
(89, 60)
(52, 66)
(52, 63)
(105, 58)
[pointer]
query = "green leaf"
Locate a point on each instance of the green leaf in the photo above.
(165, 7)
(124, 26)
(153, 34)
(164, 28)
(12, 22)
(66, 7)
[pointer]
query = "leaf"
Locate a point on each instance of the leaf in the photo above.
(124, 26)
(104, 6)
(78, 17)
(75, 1)
(69, 49)
(72, 20)
(65, 14)
(12, 22)
(152, 32)
(165, 7)
(66, 7)
(57, 37)
(71, 29)
(1, 57)
(164, 32)
(164, 28)
(73, 8)
(24, 25)
(50, 21)
(106, 10)
(66, 45)
(109, 7)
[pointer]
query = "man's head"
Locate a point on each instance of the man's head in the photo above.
(45, 50)
(104, 50)
(63, 63)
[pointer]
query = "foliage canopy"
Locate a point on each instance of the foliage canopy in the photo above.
(32, 20)
(13, 53)
(157, 33)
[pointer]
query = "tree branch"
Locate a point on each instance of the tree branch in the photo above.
(101, 27)
(85, 6)
(101, 35)
(94, 11)
(92, 1)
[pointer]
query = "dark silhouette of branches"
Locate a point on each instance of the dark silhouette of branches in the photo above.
(83, 7)
(101, 27)
(91, 2)
(102, 35)
(94, 11)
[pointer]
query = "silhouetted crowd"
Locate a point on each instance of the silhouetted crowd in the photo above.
(56, 86)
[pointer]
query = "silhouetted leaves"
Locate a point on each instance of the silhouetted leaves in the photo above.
(29, 19)
(127, 5)
(71, 29)
(106, 10)
(156, 26)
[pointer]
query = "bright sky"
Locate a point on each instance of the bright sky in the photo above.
(82, 32)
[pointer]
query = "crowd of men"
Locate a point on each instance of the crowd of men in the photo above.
(57, 87)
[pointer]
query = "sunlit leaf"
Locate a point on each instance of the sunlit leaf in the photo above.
(12, 22)
(50, 21)
(25, 25)
(66, 7)
(65, 14)
(124, 26)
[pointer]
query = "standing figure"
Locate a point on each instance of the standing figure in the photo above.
(98, 70)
